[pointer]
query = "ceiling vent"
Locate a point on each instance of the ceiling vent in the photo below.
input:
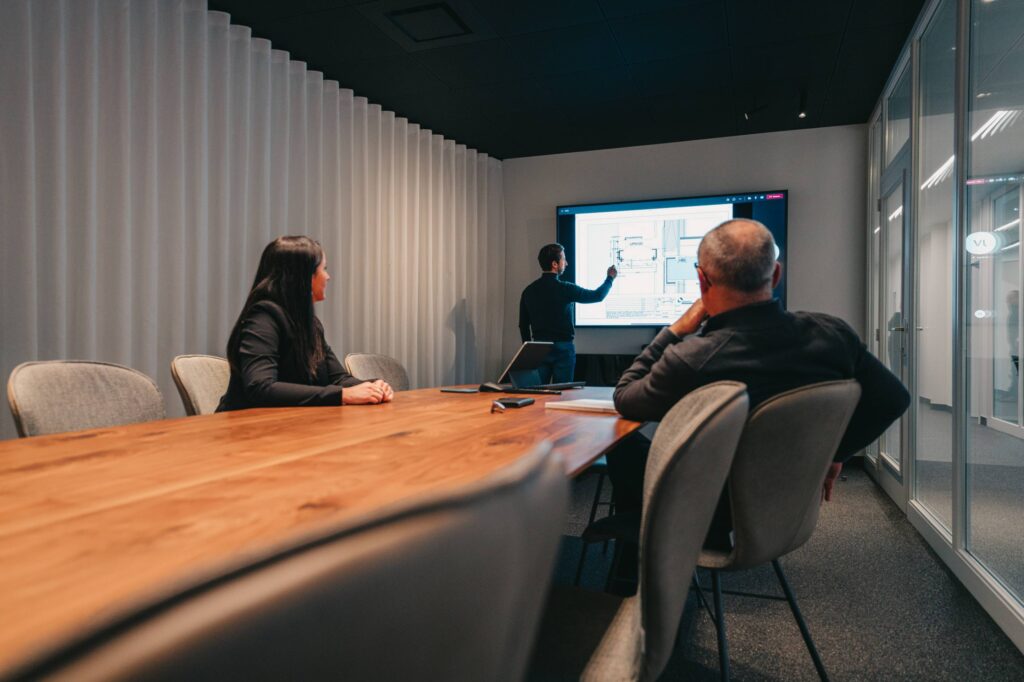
(435, 21)
(416, 25)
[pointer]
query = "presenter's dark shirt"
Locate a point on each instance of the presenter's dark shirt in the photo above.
(269, 376)
(545, 308)
(771, 351)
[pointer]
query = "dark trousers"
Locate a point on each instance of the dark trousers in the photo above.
(626, 464)
(559, 365)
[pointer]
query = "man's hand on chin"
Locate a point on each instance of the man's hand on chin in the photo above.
(690, 320)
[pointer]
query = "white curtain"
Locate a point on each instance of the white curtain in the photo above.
(148, 152)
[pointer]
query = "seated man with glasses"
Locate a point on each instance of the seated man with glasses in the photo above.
(737, 331)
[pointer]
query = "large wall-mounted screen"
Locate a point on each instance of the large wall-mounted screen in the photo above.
(653, 244)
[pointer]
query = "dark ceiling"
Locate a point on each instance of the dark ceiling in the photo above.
(530, 77)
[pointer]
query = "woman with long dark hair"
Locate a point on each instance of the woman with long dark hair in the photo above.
(277, 351)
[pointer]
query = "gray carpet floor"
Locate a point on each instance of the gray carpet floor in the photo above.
(880, 605)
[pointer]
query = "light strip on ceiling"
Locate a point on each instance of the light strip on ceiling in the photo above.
(1007, 226)
(1001, 120)
(943, 172)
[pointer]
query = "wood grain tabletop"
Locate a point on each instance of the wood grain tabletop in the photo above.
(94, 522)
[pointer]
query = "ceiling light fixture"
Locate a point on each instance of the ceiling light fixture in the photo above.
(803, 105)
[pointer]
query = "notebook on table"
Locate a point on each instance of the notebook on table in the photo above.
(584, 405)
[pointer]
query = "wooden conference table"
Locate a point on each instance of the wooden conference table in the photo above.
(94, 522)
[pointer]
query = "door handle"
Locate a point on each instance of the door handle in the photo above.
(898, 329)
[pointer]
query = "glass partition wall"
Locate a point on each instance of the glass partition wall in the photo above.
(945, 194)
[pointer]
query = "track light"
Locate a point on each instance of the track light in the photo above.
(752, 111)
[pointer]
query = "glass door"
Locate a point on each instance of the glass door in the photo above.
(893, 341)
(892, 279)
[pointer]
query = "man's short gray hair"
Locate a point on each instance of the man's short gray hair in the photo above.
(738, 254)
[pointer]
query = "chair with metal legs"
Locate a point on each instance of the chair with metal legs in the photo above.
(774, 491)
(594, 636)
(600, 468)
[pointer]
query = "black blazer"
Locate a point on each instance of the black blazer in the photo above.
(267, 373)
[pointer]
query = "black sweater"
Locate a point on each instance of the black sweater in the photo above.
(771, 351)
(544, 307)
(267, 373)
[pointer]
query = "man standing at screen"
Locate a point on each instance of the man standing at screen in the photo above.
(545, 312)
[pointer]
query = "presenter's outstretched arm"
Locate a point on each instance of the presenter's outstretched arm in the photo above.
(581, 295)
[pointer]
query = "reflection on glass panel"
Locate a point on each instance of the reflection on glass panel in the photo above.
(892, 307)
(995, 439)
(874, 238)
(897, 117)
(1006, 316)
(934, 290)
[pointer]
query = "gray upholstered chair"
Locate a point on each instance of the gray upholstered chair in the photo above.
(73, 395)
(448, 587)
(201, 380)
(373, 366)
(775, 488)
(596, 636)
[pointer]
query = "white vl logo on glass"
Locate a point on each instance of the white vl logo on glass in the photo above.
(981, 243)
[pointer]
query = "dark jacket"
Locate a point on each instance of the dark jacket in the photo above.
(269, 376)
(771, 351)
(545, 312)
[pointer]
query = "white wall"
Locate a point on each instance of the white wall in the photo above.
(824, 170)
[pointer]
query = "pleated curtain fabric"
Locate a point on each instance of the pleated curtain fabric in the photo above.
(149, 150)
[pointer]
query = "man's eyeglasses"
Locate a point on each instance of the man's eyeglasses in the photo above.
(697, 267)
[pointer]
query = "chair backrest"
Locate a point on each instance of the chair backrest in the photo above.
(686, 469)
(373, 366)
(73, 395)
(201, 380)
(445, 588)
(775, 483)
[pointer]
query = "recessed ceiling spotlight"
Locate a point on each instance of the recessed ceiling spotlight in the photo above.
(983, 95)
(803, 105)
